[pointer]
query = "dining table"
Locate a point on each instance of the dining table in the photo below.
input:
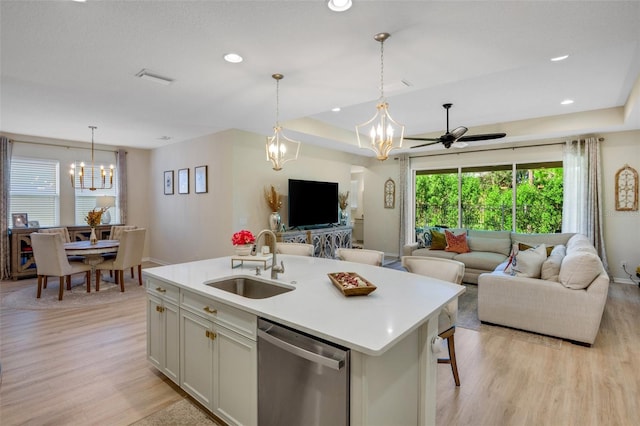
(92, 253)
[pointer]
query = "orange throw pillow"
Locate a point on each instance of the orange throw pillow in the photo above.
(456, 243)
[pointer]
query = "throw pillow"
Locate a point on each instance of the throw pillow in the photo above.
(456, 243)
(438, 240)
(578, 270)
(523, 246)
(529, 262)
(424, 237)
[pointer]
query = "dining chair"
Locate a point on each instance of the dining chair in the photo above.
(129, 255)
(298, 249)
(370, 257)
(446, 270)
(51, 260)
(62, 232)
(114, 234)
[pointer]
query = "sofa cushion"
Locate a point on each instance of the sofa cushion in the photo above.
(456, 243)
(495, 245)
(528, 263)
(579, 269)
(550, 269)
(434, 253)
(535, 239)
(481, 260)
(580, 242)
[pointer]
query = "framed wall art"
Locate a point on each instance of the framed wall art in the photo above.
(168, 182)
(626, 189)
(201, 179)
(19, 220)
(389, 194)
(183, 181)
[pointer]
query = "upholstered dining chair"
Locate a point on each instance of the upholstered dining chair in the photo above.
(370, 257)
(446, 270)
(63, 233)
(114, 234)
(129, 255)
(51, 260)
(299, 249)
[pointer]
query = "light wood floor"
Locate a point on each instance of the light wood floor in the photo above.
(88, 367)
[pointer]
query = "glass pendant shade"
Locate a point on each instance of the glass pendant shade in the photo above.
(381, 133)
(281, 149)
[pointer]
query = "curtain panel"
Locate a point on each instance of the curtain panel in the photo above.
(582, 204)
(5, 177)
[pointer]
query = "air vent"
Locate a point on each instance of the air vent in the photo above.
(149, 76)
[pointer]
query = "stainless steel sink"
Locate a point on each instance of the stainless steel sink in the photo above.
(250, 287)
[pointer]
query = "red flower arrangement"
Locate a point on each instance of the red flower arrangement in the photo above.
(243, 237)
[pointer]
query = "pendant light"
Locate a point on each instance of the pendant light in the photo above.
(82, 177)
(280, 148)
(383, 132)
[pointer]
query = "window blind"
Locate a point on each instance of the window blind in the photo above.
(35, 190)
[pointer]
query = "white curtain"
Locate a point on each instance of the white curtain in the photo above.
(582, 204)
(403, 199)
(121, 162)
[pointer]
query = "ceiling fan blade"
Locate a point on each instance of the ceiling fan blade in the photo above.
(482, 137)
(422, 139)
(458, 132)
(433, 142)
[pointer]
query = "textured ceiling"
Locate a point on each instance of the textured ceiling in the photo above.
(68, 65)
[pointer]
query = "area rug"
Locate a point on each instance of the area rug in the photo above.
(25, 298)
(183, 412)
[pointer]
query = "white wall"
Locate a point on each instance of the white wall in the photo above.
(198, 226)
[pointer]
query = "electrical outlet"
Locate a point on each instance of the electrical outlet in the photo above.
(623, 264)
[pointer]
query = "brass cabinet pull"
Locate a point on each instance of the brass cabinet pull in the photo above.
(159, 309)
(161, 290)
(211, 335)
(209, 310)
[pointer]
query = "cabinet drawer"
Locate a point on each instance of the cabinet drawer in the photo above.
(227, 316)
(161, 289)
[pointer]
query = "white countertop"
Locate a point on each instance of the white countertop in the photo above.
(369, 324)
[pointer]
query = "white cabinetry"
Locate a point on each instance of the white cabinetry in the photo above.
(219, 358)
(162, 329)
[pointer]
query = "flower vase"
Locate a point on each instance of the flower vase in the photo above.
(344, 217)
(243, 249)
(274, 221)
(92, 238)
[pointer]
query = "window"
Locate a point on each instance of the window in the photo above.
(35, 190)
(483, 197)
(86, 199)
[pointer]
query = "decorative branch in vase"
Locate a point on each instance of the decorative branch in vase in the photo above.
(93, 219)
(274, 200)
(343, 201)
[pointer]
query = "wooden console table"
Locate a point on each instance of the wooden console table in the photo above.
(22, 263)
(325, 240)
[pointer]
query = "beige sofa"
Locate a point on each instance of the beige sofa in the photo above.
(568, 304)
(488, 249)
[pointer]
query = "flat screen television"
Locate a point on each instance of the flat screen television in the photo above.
(312, 203)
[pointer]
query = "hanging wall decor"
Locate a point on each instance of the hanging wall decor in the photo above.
(626, 189)
(389, 194)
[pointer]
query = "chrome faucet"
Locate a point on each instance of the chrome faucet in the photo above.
(275, 269)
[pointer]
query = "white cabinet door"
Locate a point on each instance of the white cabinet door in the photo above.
(163, 350)
(155, 332)
(235, 378)
(196, 357)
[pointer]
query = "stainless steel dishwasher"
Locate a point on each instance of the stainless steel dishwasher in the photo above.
(301, 380)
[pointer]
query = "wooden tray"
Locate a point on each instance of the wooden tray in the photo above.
(352, 291)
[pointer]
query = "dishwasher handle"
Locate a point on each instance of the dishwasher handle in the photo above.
(303, 353)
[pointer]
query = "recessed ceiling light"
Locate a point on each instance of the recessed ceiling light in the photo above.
(559, 58)
(234, 58)
(146, 75)
(339, 5)
(336, 109)
(80, 1)
(566, 102)
(164, 138)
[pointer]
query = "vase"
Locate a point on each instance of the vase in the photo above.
(93, 239)
(344, 217)
(275, 221)
(243, 249)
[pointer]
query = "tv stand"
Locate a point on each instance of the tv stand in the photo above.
(325, 240)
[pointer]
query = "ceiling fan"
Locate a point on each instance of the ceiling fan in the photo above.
(456, 135)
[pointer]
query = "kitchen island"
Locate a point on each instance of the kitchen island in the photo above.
(389, 332)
